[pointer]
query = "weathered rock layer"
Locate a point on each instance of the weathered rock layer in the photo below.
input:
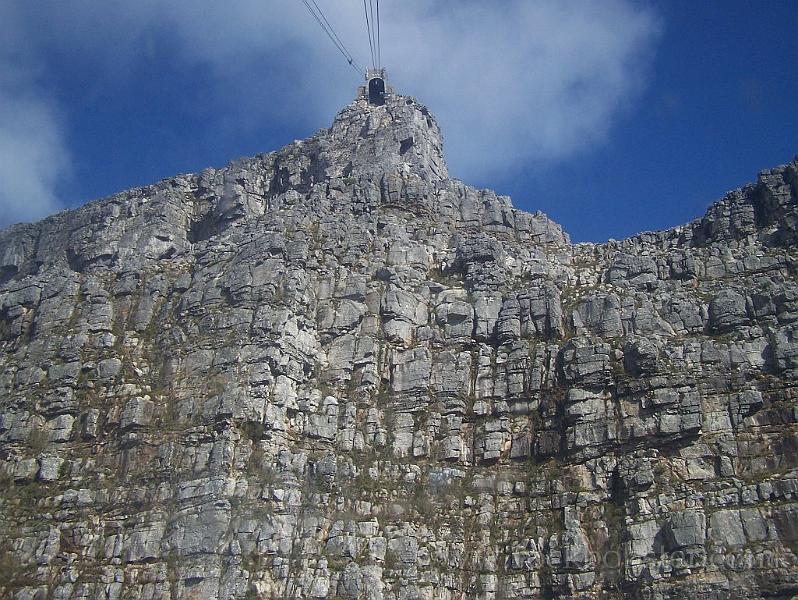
(333, 372)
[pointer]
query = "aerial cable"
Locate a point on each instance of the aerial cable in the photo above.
(330, 27)
(330, 31)
(368, 28)
(374, 27)
(379, 40)
(374, 33)
(372, 41)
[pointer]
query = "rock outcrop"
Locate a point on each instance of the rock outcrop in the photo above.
(334, 372)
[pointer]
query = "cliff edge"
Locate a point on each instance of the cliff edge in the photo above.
(332, 371)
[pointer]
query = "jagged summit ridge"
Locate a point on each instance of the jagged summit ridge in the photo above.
(372, 140)
(390, 155)
(332, 372)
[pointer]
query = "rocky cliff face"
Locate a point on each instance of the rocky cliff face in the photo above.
(333, 372)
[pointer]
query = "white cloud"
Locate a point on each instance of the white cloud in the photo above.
(33, 158)
(528, 83)
(516, 84)
(33, 155)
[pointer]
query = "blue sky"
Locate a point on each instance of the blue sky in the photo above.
(720, 104)
(613, 117)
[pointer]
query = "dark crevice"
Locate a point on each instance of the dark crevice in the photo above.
(202, 230)
(280, 182)
(765, 206)
(75, 261)
(7, 273)
(405, 145)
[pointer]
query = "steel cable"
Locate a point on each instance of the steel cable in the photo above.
(330, 31)
(368, 29)
(379, 39)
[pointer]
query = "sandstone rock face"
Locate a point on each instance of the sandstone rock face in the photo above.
(333, 372)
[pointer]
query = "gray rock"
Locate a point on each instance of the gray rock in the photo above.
(726, 528)
(599, 315)
(586, 363)
(456, 317)
(629, 269)
(137, 413)
(333, 371)
(640, 357)
(727, 310)
(685, 529)
(411, 371)
(49, 468)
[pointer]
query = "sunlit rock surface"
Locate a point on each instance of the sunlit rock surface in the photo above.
(333, 372)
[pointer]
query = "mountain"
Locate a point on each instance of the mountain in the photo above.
(332, 371)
